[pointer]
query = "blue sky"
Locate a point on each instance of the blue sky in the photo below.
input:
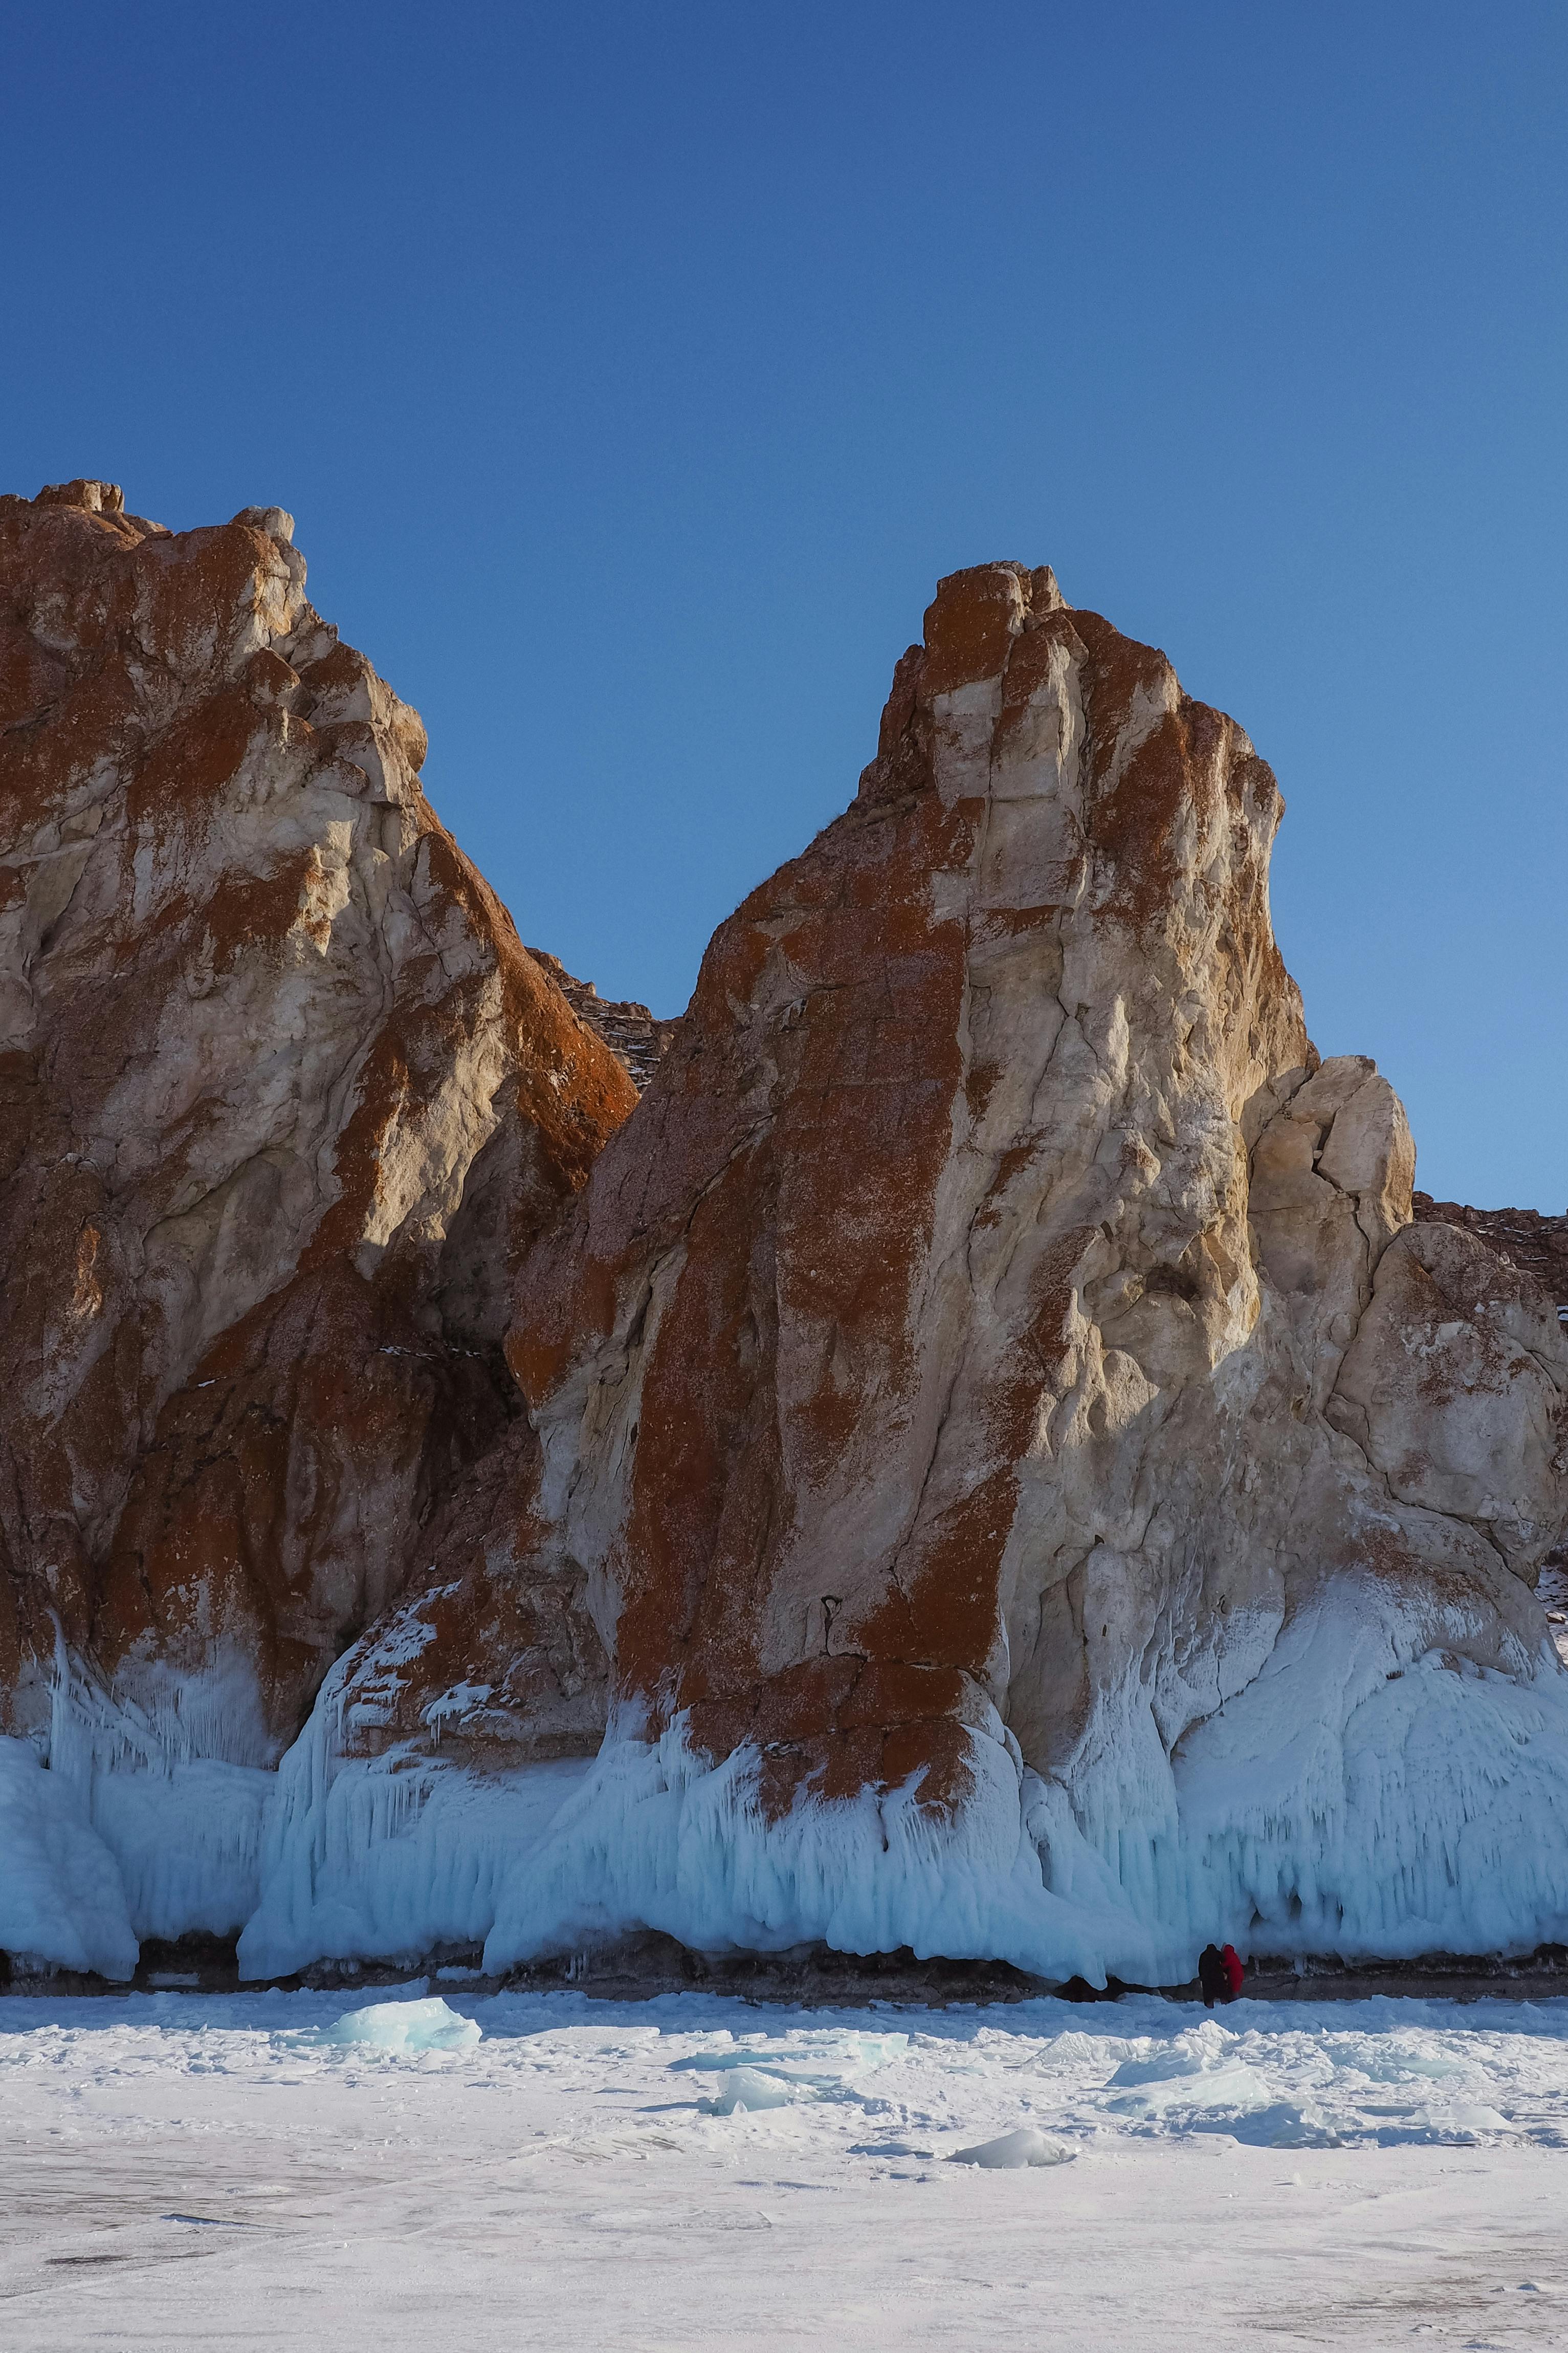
(635, 372)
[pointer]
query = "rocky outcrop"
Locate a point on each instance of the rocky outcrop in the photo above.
(286, 1101)
(986, 1461)
(628, 1029)
(1536, 1244)
(1039, 1493)
(1452, 1390)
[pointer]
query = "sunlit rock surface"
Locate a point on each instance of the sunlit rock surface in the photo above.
(1039, 1493)
(983, 1459)
(284, 1102)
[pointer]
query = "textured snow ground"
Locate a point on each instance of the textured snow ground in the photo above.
(696, 2172)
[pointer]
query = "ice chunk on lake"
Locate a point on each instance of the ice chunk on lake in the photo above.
(804, 2067)
(405, 2026)
(1178, 2080)
(748, 2088)
(821, 2062)
(1025, 2146)
(1463, 2116)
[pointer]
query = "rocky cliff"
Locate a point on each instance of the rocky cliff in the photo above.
(628, 1029)
(284, 1103)
(1041, 1494)
(985, 1460)
(1536, 1244)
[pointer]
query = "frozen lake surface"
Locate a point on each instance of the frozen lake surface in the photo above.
(258, 2170)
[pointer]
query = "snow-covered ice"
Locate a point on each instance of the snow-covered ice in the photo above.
(250, 2171)
(804, 2066)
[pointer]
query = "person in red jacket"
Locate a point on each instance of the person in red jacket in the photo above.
(1234, 1972)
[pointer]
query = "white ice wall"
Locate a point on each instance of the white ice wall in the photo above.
(389, 1857)
(62, 1900)
(1363, 1796)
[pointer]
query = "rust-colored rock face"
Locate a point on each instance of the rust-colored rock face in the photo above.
(284, 1102)
(994, 1379)
(981, 1459)
(840, 1254)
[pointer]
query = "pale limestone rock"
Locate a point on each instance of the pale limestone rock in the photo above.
(1454, 1389)
(1331, 1178)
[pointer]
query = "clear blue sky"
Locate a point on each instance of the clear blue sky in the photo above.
(634, 371)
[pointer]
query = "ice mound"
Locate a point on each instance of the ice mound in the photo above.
(405, 2026)
(806, 2067)
(745, 2089)
(821, 2059)
(1463, 2117)
(1025, 2146)
(1181, 2080)
(1200, 2083)
(1390, 2078)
